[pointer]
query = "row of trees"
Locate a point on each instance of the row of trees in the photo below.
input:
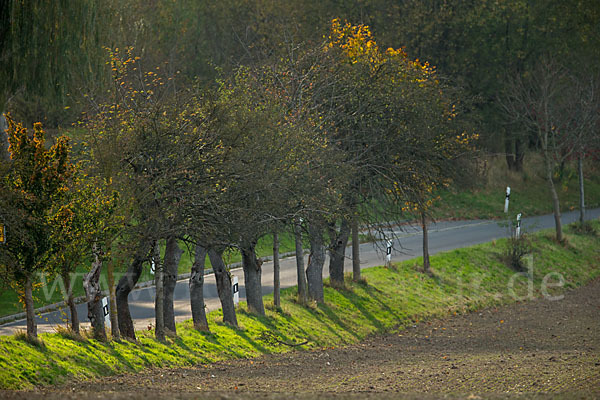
(317, 137)
(316, 140)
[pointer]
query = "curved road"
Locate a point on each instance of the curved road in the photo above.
(443, 236)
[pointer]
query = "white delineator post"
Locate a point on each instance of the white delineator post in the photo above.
(506, 199)
(518, 228)
(106, 312)
(388, 253)
(235, 287)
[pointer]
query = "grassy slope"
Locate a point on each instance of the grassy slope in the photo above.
(530, 194)
(465, 279)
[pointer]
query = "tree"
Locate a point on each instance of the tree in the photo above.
(583, 100)
(48, 50)
(545, 104)
(33, 184)
(276, 271)
(84, 218)
(386, 117)
(147, 139)
(300, 273)
(196, 285)
(93, 293)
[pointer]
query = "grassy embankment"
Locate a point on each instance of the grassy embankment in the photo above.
(530, 194)
(464, 280)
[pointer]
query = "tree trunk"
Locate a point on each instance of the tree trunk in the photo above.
(91, 285)
(316, 260)
(581, 191)
(71, 303)
(337, 253)
(276, 270)
(252, 278)
(555, 201)
(114, 323)
(302, 293)
(509, 153)
(426, 264)
(355, 250)
(159, 298)
(29, 309)
(124, 287)
(519, 155)
(4, 155)
(197, 290)
(224, 289)
(171, 267)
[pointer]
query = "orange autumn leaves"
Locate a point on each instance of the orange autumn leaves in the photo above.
(358, 44)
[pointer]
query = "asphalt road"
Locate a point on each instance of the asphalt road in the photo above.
(443, 236)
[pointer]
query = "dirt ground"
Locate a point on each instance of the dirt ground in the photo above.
(538, 349)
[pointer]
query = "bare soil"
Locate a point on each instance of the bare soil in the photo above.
(536, 349)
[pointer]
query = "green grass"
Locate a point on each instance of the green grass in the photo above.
(463, 280)
(530, 194)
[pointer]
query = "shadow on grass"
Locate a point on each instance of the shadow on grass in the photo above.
(333, 317)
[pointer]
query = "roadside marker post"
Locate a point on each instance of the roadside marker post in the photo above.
(506, 199)
(518, 228)
(106, 312)
(235, 287)
(388, 256)
(152, 267)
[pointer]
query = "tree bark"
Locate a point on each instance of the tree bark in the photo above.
(159, 298)
(4, 155)
(300, 273)
(224, 289)
(124, 287)
(91, 285)
(355, 250)
(316, 260)
(252, 278)
(276, 271)
(519, 155)
(555, 201)
(71, 303)
(581, 190)
(509, 153)
(197, 290)
(426, 264)
(114, 323)
(171, 267)
(29, 309)
(337, 253)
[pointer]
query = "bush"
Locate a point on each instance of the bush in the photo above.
(516, 249)
(585, 228)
